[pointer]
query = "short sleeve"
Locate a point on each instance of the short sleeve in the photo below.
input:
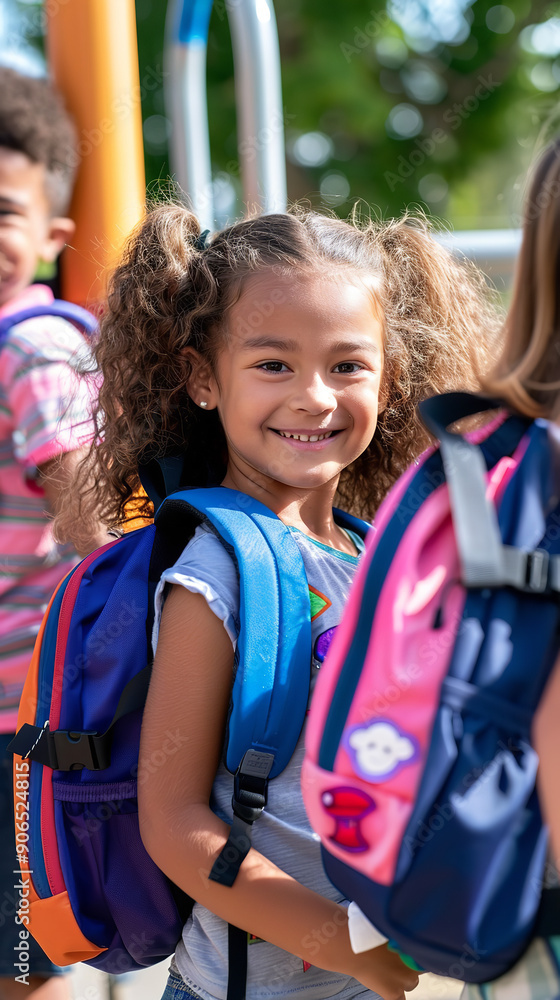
(204, 567)
(49, 403)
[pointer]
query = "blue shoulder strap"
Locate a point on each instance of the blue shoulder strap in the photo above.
(58, 307)
(271, 687)
(355, 524)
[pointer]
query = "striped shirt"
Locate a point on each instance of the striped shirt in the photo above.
(44, 412)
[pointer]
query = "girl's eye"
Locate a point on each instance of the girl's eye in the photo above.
(273, 366)
(347, 368)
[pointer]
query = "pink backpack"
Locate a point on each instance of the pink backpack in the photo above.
(420, 775)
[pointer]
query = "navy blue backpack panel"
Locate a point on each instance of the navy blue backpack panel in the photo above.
(455, 878)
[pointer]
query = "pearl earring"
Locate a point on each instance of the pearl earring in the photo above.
(203, 403)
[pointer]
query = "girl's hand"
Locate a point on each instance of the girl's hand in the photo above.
(383, 972)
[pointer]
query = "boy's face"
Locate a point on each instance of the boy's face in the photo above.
(28, 232)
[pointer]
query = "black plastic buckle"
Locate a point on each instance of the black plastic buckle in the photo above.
(536, 571)
(250, 785)
(75, 751)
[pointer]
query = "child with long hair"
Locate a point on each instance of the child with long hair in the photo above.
(282, 358)
(527, 376)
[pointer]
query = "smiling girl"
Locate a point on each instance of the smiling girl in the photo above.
(283, 359)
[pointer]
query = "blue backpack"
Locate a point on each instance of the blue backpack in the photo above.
(420, 775)
(58, 307)
(96, 895)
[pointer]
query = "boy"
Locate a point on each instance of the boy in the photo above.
(44, 424)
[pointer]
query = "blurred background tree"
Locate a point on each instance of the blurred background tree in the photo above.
(437, 103)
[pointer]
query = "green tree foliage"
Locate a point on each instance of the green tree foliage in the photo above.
(438, 103)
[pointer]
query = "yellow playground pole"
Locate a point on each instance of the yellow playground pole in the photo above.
(93, 56)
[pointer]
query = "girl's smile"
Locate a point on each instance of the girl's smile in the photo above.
(298, 391)
(314, 439)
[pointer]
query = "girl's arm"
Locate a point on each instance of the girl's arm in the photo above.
(546, 737)
(185, 718)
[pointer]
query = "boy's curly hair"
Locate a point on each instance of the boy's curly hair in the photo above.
(34, 121)
(169, 294)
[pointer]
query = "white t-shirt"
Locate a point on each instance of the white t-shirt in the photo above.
(282, 833)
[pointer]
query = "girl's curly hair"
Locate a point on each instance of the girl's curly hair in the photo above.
(170, 293)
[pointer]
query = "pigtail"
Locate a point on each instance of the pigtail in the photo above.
(161, 300)
(441, 329)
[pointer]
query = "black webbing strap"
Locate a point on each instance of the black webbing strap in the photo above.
(71, 751)
(237, 963)
(236, 849)
(250, 790)
(485, 561)
(547, 923)
(161, 476)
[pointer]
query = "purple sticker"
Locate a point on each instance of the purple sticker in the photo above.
(323, 643)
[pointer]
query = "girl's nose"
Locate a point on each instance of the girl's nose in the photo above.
(315, 397)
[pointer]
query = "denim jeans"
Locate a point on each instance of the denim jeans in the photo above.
(177, 989)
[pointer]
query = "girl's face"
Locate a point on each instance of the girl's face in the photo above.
(297, 379)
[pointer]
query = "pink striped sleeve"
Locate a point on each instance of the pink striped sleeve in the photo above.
(49, 402)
